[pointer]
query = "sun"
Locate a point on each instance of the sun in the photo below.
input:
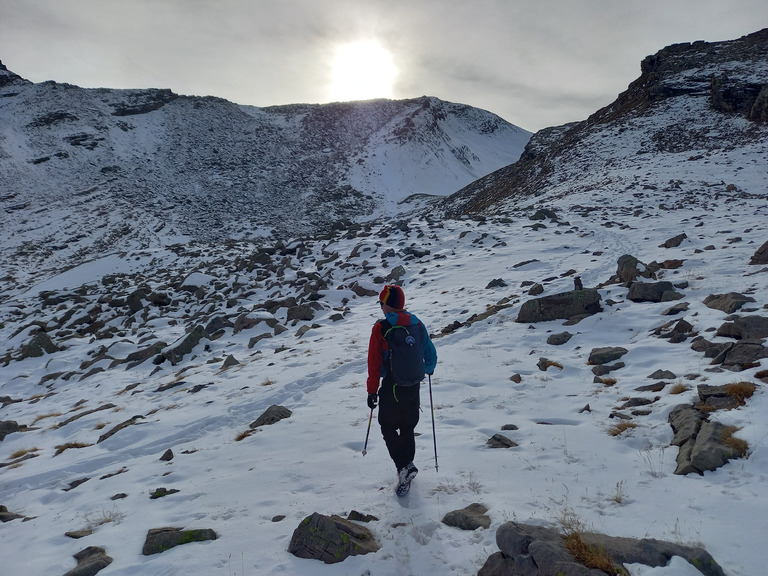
(361, 71)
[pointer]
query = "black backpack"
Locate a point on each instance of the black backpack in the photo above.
(406, 352)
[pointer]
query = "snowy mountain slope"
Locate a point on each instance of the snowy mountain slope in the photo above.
(694, 119)
(143, 168)
(111, 321)
(237, 482)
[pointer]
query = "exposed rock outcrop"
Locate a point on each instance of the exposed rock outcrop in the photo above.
(331, 539)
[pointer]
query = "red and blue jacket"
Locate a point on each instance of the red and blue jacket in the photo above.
(378, 349)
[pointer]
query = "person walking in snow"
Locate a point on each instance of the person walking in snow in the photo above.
(400, 353)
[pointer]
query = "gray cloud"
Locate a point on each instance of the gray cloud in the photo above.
(535, 64)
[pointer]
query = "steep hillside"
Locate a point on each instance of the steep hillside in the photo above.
(84, 172)
(697, 108)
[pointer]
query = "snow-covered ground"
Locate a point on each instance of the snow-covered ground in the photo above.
(566, 463)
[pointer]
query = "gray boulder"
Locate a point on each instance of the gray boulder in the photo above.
(565, 306)
(727, 303)
(629, 268)
(559, 339)
(162, 539)
(271, 415)
(90, 561)
(702, 443)
(331, 539)
(760, 256)
(746, 328)
(653, 292)
(606, 354)
(673, 242)
(8, 427)
(527, 550)
(470, 518)
(175, 354)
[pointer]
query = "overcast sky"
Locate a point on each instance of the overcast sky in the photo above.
(535, 63)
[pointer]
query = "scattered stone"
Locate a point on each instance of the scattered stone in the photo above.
(188, 343)
(727, 303)
(500, 441)
(509, 427)
(565, 306)
(162, 539)
(160, 492)
(536, 289)
(75, 483)
(658, 387)
(629, 268)
(470, 518)
(6, 516)
(545, 363)
(559, 339)
(119, 427)
(77, 534)
(527, 550)
(360, 517)
(606, 354)
(673, 242)
(496, 283)
(167, 455)
(271, 415)
(90, 561)
(760, 256)
(603, 369)
(653, 292)
(331, 539)
(516, 378)
(746, 328)
(662, 375)
(8, 427)
(230, 361)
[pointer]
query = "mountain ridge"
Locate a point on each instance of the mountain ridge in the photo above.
(684, 93)
(148, 168)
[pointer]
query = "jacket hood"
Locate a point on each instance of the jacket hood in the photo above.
(402, 318)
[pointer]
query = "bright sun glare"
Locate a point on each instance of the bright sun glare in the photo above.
(361, 71)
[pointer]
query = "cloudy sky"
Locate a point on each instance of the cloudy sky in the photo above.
(535, 63)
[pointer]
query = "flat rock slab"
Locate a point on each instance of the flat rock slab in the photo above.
(331, 539)
(162, 539)
(470, 518)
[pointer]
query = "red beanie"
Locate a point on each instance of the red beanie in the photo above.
(393, 296)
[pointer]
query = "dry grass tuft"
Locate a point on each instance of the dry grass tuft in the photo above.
(678, 389)
(741, 391)
(243, 435)
(268, 382)
(608, 381)
(739, 445)
(621, 427)
(44, 416)
(23, 452)
(61, 447)
(590, 556)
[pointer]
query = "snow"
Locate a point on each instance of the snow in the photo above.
(566, 461)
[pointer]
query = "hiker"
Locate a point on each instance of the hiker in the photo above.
(398, 401)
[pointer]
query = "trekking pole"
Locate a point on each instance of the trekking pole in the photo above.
(365, 448)
(432, 407)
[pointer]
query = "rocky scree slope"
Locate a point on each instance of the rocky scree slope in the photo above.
(84, 172)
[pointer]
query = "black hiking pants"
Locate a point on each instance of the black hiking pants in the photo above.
(398, 416)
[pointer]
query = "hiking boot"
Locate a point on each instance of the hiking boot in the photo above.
(404, 477)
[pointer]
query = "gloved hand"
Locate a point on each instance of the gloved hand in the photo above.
(373, 400)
